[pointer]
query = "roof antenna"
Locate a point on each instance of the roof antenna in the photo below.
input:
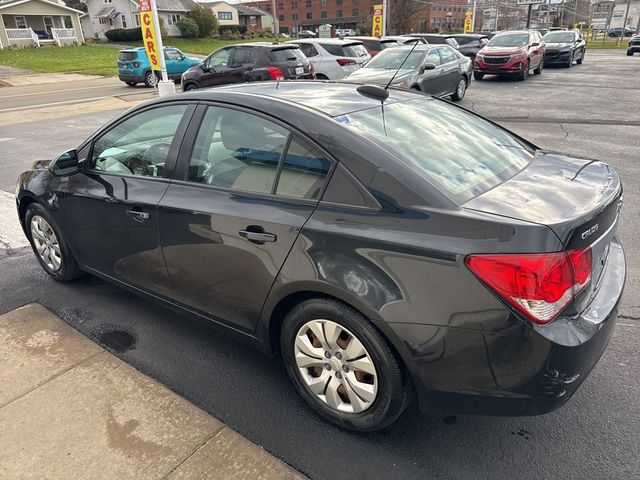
(402, 64)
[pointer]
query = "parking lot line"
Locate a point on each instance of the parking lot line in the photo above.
(66, 102)
(49, 92)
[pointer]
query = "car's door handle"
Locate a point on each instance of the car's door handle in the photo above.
(138, 215)
(254, 235)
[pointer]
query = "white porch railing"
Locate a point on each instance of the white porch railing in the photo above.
(62, 35)
(22, 34)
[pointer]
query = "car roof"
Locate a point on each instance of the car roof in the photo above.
(327, 97)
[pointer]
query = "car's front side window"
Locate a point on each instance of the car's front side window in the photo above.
(172, 55)
(219, 59)
(140, 144)
(447, 55)
(432, 57)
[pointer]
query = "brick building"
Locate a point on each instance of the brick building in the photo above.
(296, 15)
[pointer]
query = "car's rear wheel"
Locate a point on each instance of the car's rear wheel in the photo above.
(49, 245)
(461, 89)
(150, 79)
(478, 76)
(538, 71)
(524, 74)
(342, 366)
(131, 84)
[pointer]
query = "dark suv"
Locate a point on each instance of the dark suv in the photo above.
(249, 62)
(634, 45)
(436, 39)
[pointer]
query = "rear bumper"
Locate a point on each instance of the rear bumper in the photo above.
(514, 370)
(130, 77)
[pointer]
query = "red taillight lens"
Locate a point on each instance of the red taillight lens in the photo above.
(136, 64)
(275, 73)
(345, 61)
(538, 285)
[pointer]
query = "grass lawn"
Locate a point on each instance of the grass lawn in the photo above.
(608, 43)
(86, 59)
(204, 46)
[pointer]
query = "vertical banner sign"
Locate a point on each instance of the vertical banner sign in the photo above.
(149, 34)
(376, 31)
(468, 27)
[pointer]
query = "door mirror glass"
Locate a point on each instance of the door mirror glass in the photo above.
(66, 164)
(428, 66)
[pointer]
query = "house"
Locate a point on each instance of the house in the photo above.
(33, 23)
(253, 18)
(227, 14)
(104, 15)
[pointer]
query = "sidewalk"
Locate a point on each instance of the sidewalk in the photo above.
(71, 410)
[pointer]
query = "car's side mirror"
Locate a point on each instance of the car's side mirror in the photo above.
(427, 66)
(66, 164)
(535, 44)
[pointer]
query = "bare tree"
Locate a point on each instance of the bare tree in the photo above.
(403, 13)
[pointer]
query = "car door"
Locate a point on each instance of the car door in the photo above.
(431, 81)
(215, 68)
(111, 203)
(450, 69)
(242, 60)
(244, 188)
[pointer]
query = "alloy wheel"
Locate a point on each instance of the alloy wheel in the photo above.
(335, 366)
(462, 86)
(46, 243)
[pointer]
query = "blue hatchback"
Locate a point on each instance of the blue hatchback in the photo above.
(134, 66)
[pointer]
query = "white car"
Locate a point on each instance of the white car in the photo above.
(333, 59)
(345, 32)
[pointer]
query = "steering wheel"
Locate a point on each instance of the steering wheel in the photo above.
(156, 154)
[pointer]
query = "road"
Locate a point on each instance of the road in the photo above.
(589, 110)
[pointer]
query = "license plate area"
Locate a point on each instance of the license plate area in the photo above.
(299, 70)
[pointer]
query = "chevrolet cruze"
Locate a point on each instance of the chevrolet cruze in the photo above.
(390, 246)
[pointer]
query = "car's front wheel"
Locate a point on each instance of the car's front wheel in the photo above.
(524, 74)
(581, 59)
(478, 75)
(342, 365)
(461, 89)
(49, 245)
(190, 86)
(538, 71)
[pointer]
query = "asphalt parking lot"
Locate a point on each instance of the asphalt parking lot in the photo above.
(589, 110)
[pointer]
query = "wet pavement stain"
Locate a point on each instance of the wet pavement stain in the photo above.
(117, 339)
(523, 433)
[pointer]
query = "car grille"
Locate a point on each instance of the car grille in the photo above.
(496, 60)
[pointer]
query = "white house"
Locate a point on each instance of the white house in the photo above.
(227, 14)
(106, 15)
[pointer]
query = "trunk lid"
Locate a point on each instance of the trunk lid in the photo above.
(578, 199)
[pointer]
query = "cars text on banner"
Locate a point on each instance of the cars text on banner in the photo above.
(149, 34)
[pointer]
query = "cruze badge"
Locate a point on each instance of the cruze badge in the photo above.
(589, 232)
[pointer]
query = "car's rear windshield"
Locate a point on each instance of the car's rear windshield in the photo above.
(510, 40)
(559, 37)
(349, 50)
(388, 43)
(288, 54)
(128, 56)
(462, 154)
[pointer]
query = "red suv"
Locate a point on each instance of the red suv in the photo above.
(511, 53)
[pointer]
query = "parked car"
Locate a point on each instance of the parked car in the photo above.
(345, 32)
(134, 66)
(375, 45)
(404, 39)
(487, 34)
(436, 39)
(387, 250)
(634, 45)
(434, 69)
(306, 34)
(249, 62)
(564, 48)
(542, 31)
(469, 44)
(616, 32)
(332, 58)
(511, 53)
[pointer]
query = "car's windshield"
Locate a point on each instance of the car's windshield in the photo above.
(460, 153)
(510, 40)
(392, 59)
(559, 37)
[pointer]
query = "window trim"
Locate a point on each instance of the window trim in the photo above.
(170, 164)
(180, 173)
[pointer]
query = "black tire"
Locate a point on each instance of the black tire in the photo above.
(458, 95)
(416, 88)
(478, 76)
(131, 84)
(524, 74)
(538, 71)
(570, 62)
(581, 59)
(189, 86)
(69, 269)
(394, 389)
(629, 53)
(321, 76)
(150, 79)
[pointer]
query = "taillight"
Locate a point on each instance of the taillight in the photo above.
(275, 73)
(345, 61)
(136, 64)
(539, 285)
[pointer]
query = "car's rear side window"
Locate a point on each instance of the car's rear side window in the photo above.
(128, 56)
(353, 50)
(460, 153)
(281, 55)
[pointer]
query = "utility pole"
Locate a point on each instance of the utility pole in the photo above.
(529, 15)
(624, 23)
(473, 16)
(562, 15)
(385, 16)
(276, 23)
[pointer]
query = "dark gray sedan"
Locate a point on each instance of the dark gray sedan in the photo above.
(435, 69)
